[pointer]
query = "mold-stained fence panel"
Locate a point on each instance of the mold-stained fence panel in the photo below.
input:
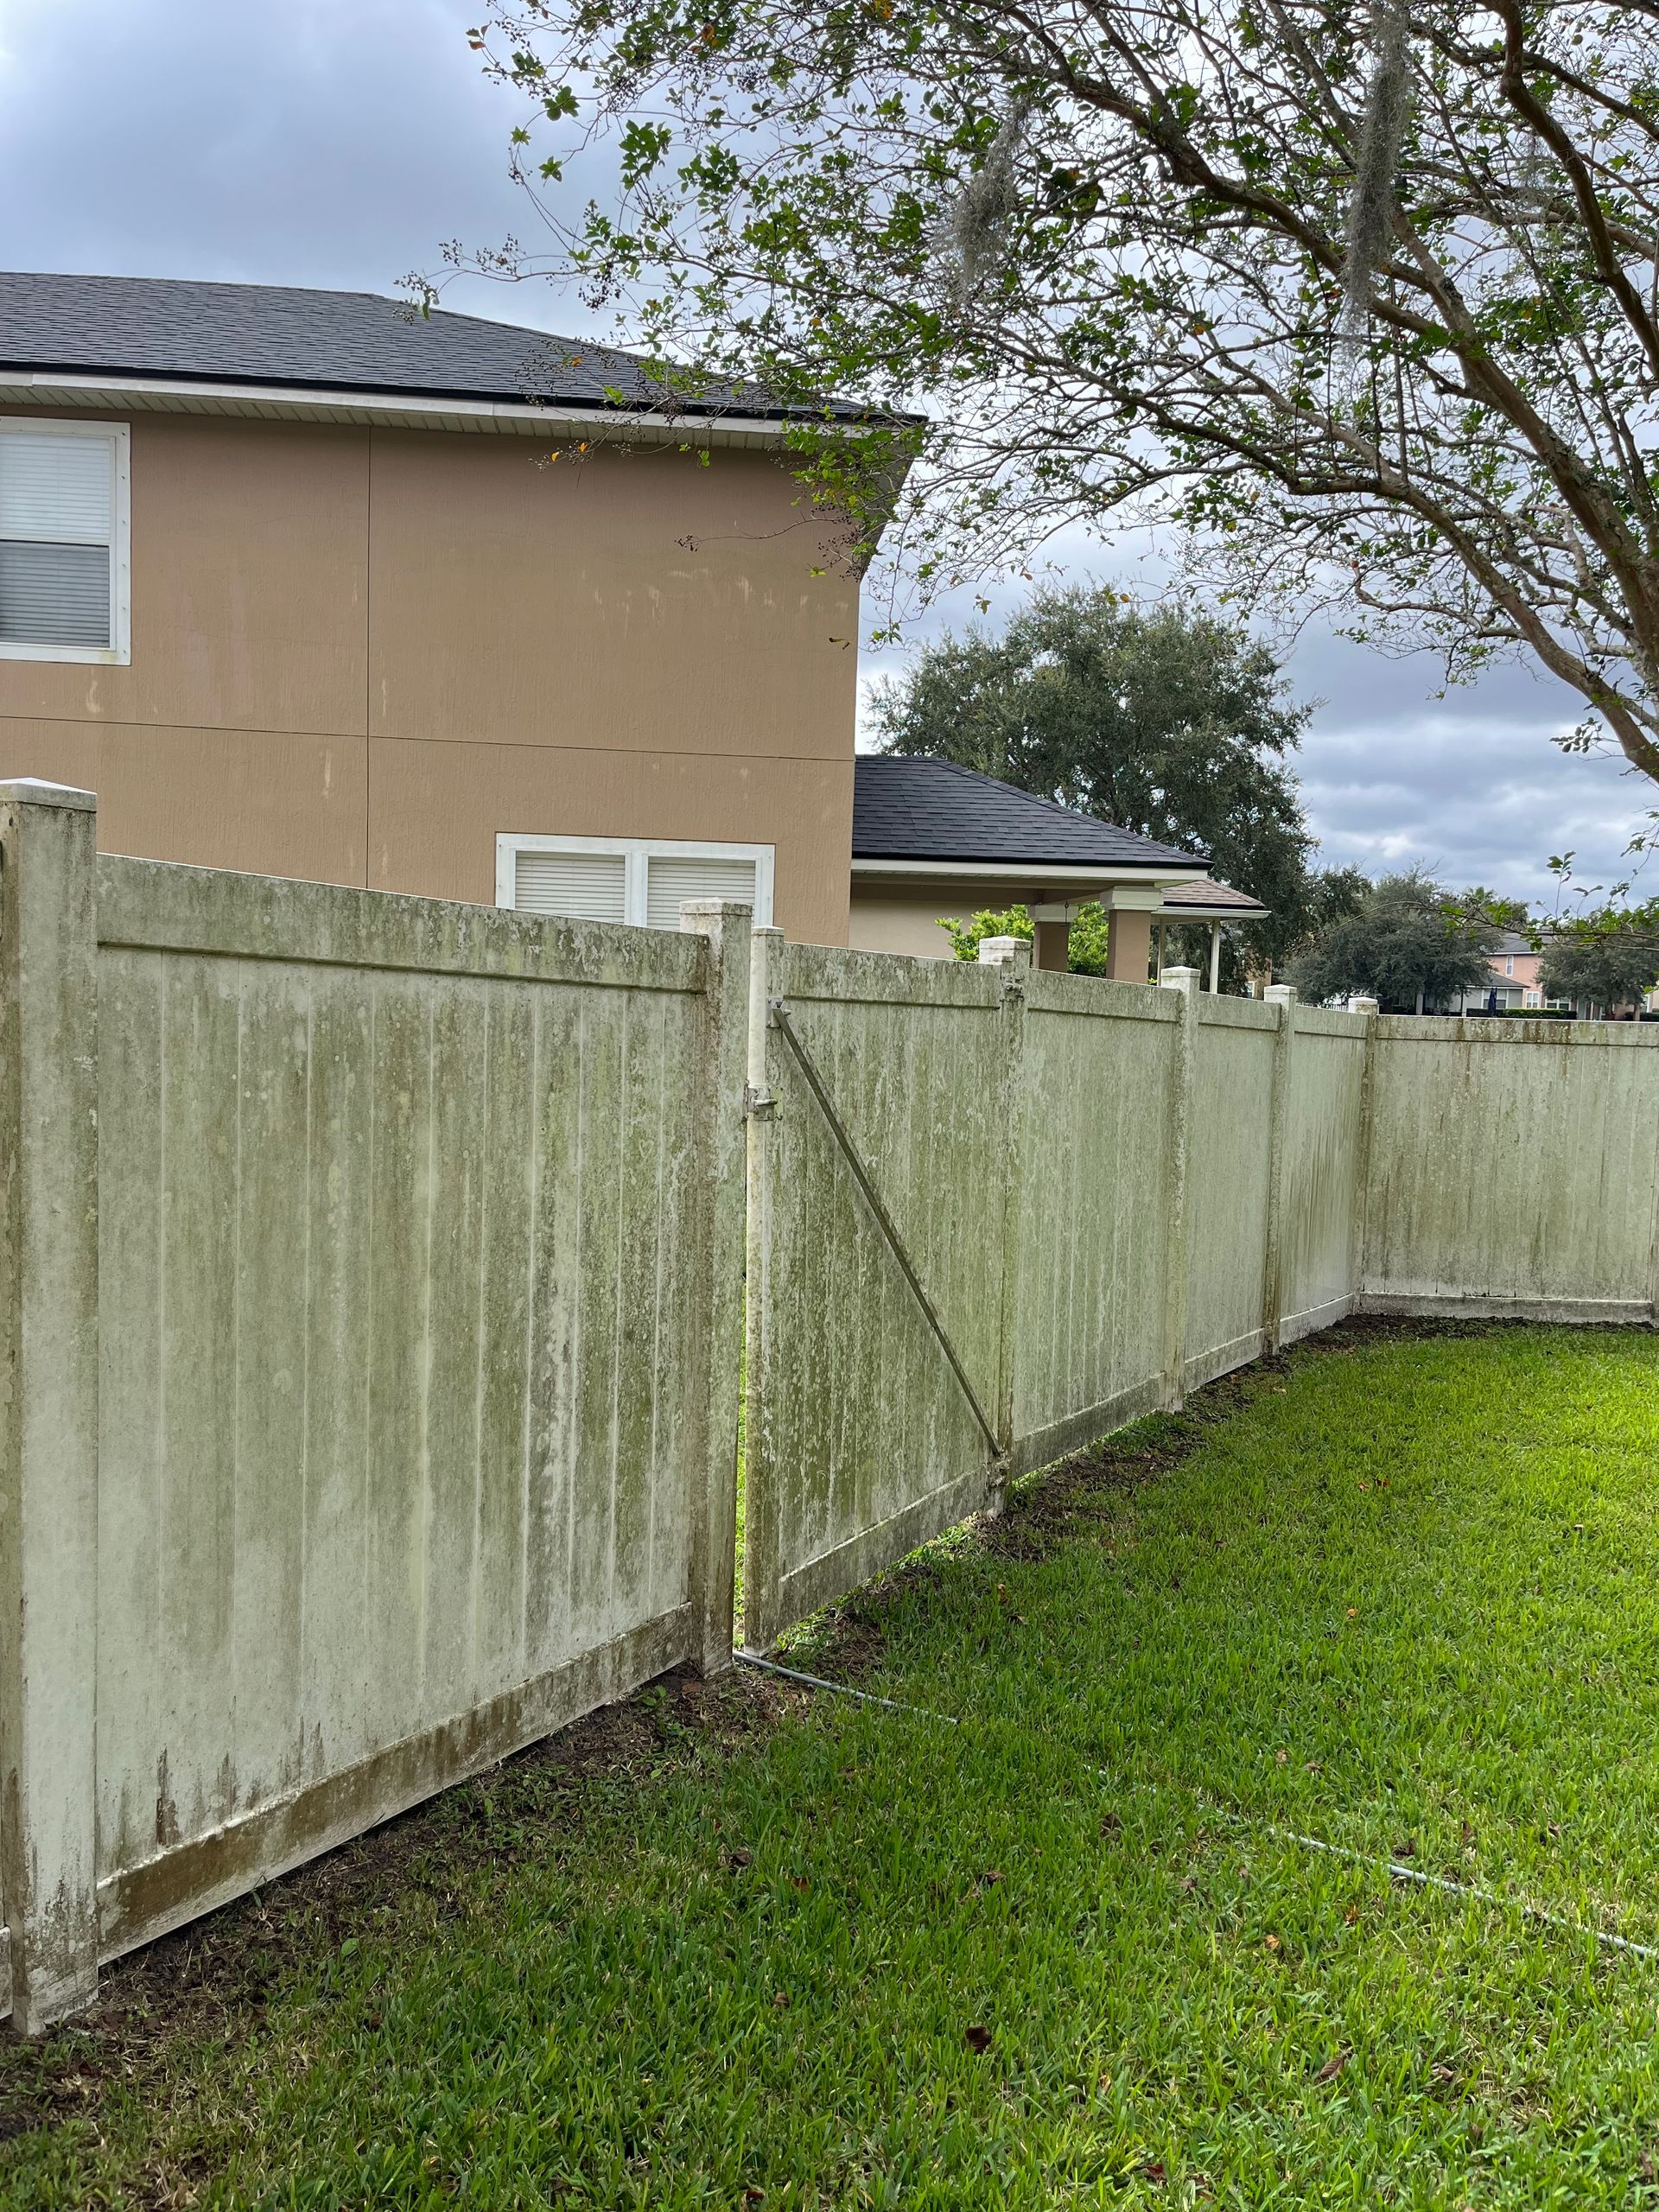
(860, 1440)
(1098, 1071)
(419, 1249)
(1230, 1183)
(1317, 1275)
(1512, 1168)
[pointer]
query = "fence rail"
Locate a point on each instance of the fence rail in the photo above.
(377, 1273)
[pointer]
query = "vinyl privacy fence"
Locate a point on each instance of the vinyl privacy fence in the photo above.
(994, 1214)
(377, 1271)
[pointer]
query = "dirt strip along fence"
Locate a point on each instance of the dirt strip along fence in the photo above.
(377, 1273)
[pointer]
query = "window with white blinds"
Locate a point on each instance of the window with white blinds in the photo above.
(63, 540)
(672, 880)
(638, 879)
(591, 886)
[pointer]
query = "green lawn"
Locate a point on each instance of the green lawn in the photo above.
(1400, 1595)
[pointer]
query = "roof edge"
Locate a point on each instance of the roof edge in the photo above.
(402, 408)
(1027, 871)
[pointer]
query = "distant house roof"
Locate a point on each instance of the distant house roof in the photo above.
(287, 336)
(1213, 901)
(905, 809)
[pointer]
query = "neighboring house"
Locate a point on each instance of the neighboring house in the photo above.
(931, 839)
(1513, 986)
(304, 583)
(286, 577)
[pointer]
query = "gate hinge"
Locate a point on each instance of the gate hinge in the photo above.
(757, 1104)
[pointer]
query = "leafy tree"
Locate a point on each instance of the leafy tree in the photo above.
(1506, 914)
(1606, 960)
(1407, 946)
(1362, 299)
(1085, 944)
(1174, 725)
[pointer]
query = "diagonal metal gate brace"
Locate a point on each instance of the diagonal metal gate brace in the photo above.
(780, 1016)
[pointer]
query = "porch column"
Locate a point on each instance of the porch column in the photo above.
(1053, 945)
(1215, 958)
(1128, 945)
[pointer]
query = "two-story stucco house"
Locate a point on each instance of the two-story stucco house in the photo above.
(304, 583)
(289, 580)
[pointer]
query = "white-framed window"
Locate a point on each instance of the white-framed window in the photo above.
(644, 881)
(64, 564)
(1509, 963)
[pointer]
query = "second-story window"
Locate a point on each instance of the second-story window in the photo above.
(63, 540)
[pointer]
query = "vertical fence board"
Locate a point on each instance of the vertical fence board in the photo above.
(201, 1047)
(1228, 1180)
(269, 1546)
(400, 1289)
(504, 1356)
(132, 1407)
(339, 1651)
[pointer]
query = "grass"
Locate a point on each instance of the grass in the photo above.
(1398, 1592)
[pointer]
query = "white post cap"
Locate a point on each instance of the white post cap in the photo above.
(29, 790)
(1005, 951)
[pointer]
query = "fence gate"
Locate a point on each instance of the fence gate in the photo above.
(883, 1164)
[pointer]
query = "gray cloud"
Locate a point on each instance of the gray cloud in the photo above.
(1396, 770)
(340, 141)
(303, 142)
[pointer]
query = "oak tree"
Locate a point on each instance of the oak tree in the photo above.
(1362, 298)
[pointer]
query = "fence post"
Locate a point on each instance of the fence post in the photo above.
(724, 926)
(1282, 996)
(1179, 1116)
(760, 1608)
(49, 1397)
(1358, 1229)
(1013, 956)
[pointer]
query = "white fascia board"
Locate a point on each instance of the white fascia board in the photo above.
(402, 410)
(1048, 872)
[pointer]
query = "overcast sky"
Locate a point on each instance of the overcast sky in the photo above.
(340, 142)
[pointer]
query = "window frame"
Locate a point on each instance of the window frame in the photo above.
(118, 437)
(636, 854)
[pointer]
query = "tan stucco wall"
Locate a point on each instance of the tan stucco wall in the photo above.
(357, 655)
(907, 921)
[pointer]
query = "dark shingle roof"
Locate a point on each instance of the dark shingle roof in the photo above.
(281, 335)
(916, 810)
